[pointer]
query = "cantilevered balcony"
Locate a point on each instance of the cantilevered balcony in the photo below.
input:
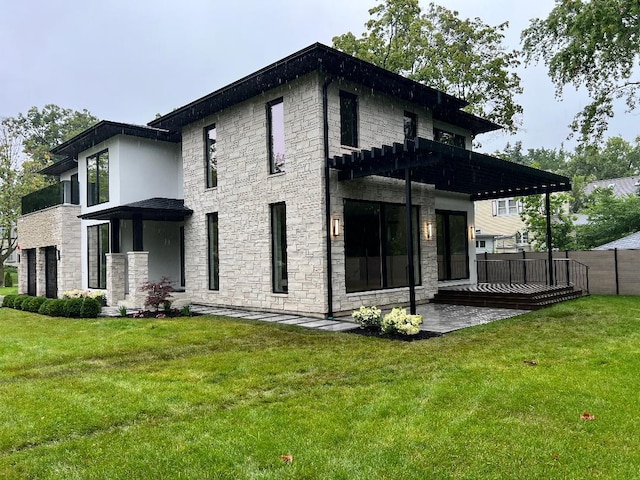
(60, 193)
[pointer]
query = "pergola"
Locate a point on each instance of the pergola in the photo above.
(451, 169)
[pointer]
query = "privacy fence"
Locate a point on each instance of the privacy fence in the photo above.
(610, 272)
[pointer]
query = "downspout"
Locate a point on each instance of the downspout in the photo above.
(547, 205)
(327, 194)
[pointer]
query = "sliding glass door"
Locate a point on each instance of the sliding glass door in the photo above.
(453, 247)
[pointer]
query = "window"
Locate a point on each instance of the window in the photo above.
(98, 178)
(210, 155)
(481, 243)
(449, 138)
(348, 119)
(214, 262)
(275, 112)
(505, 206)
(279, 247)
(97, 248)
(452, 246)
(376, 246)
(522, 237)
(410, 126)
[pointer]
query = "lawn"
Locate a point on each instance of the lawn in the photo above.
(209, 397)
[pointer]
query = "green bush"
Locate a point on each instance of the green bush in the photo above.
(399, 323)
(91, 308)
(72, 307)
(8, 279)
(45, 308)
(8, 300)
(33, 304)
(20, 299)
(56, 307)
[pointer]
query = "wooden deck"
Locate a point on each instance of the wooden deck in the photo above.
(503, 295)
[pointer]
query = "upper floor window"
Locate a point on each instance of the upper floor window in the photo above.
(410, 126)
(98, 178)
(211, 162)
(275, 112)
(348, 119)
(505, 206)
(453, 139)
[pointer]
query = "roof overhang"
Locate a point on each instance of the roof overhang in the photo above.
(449, 168)
(339, 65)
(105, 130)
(160, 209)
(60, 166)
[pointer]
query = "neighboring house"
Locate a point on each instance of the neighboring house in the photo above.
(621, 187)
(305, 187)
(12, 259)
(501, 217)
(630, 242)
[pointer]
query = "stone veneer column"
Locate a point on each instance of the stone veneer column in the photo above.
(116, 267)
(41, 278)
(138, 263)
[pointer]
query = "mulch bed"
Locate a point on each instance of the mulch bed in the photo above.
(160, 314)
(421, 335)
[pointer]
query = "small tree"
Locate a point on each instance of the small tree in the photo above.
(158, 293)
(535, 219)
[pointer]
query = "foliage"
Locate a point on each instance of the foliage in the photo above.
(610, 218)
(8, 279)
(8, 300)
(185, 311)
(56, 307)
(122, 311)
(399, 323)
(19, 300)
(45, 308)
(158, 293)
(72, 307)
(533, 215)
(368, 317)
(615, 158)
(33, 304)
(592, 44)
(463, 57)
(90, 308)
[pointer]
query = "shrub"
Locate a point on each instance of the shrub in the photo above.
(122, 310)
(368, 317)
(33, 304)
(45, 308)
(91, 308)
(186, 311)
(399, 323)
(8, 279)
(8, 300)
(72, 307)
(20, 299)
(158, 293)
(57, 307)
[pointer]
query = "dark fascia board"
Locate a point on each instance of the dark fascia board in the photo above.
(107, 129)
(167, 209)
(61, 166)
(477, 125)
(319, 57)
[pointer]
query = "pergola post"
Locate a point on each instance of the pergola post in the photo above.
(547, 205)
(412, 281)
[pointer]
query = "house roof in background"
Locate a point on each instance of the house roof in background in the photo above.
(621, 186)
(630, 242)
(319, 57)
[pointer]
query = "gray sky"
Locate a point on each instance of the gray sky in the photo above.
(127, 60)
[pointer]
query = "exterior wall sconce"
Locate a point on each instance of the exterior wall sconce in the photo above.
(335, 227)
(472, 232)
(429, 231)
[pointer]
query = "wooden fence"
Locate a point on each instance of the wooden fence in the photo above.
(611, 272)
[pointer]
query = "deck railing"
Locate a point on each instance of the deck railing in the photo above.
(566, 271)
(56, 194)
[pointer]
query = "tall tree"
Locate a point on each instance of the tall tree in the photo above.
(593, 44)
(463, 57)
(533, 215)
(616, 158)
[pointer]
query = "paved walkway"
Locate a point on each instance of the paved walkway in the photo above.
(436, 318)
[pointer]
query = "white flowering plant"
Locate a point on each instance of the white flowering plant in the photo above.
(99, 295)
(368, 317)
(400, 323)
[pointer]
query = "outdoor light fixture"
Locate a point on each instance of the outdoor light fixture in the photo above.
(429, 231)
(336, 227)
(472, 233)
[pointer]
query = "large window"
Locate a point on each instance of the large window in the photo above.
(214, 262)
(376, 246)
(453, 139)
(211, 162)
(275, 112)
(410, 126)
(98, 178)
(97, 248)
(279, 247)
(348, 119)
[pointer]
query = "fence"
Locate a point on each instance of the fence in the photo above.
(611, 272)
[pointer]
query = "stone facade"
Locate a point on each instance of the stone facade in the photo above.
(58, 227)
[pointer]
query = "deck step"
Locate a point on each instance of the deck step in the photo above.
(524, 297)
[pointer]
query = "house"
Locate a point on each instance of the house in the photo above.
(313, 186)
(500, 220)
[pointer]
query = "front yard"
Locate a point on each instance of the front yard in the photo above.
(208, 397)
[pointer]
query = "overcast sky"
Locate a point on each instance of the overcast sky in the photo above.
(127, 60)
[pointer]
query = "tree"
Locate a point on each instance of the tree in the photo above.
(593, 44)
(465, 58)
(533, 215)
(616, 158)
(610, 218)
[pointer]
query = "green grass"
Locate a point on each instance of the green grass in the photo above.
(209, 397)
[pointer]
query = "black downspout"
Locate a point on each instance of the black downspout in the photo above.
(327, 195)
(547, 204)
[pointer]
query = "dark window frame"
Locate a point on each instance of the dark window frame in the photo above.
(274, 166)
(100, 193)
(349, 119)
(444, 235)
(410, 124)
(213, 251)
(449, 138)
(279, 262)
(101, 249)
(210, 168)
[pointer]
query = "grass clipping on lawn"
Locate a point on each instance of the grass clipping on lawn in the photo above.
(208, 397)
